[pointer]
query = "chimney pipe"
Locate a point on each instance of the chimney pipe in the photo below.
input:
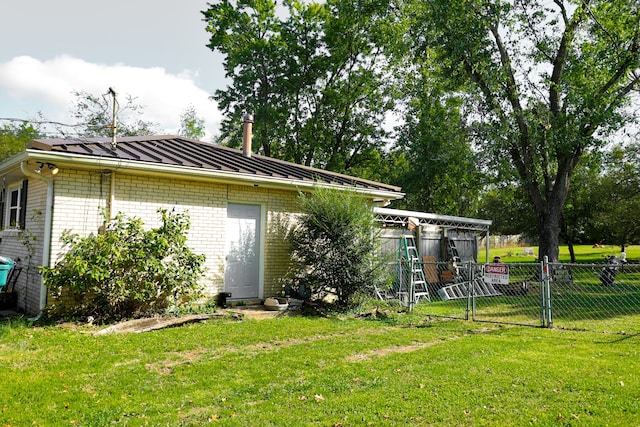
(247, 134)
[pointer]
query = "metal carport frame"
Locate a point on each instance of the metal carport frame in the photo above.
(398, 217)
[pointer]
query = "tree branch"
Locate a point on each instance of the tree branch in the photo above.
(534, 32)
(561, 56)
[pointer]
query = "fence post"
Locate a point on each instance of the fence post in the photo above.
(469, 289)
(473, 300)
(546, 294)
(541, 295)
(412, 286)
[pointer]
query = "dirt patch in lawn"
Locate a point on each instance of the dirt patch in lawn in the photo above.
(165, 367)
(408, 348)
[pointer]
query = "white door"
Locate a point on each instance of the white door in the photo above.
(242, 269)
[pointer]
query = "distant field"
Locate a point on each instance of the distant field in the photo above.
(584, 253)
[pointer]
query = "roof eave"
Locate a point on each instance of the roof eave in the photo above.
(69, 159)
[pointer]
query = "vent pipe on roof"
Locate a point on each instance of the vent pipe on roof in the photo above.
(247, 134)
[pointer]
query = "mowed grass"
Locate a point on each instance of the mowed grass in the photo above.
(310, 371)
(584, 253)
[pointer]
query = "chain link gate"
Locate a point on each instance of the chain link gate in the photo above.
(522, 300)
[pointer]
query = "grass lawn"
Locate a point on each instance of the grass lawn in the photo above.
(309, 371)
(584, 253)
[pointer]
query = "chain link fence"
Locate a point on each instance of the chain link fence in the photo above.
(596, 297)
(593, 297)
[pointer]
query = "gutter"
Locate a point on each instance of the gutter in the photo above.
(170, 171)
(48, 217)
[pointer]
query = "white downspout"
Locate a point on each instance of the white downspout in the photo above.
(48, 217)
(112, 195)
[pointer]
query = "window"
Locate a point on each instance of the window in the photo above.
(13, 201)
(14, 206)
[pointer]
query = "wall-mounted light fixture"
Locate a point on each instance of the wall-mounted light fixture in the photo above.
(53, 168)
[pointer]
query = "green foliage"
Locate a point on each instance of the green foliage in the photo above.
(509, 209)
(580, 222)
(334, 246)
(315, 80)
(125, 270)
(15, 137)
(619, 196)
(191, 125)
(443, 174)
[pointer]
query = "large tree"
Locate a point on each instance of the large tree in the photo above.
(550, 80)
(313, 75)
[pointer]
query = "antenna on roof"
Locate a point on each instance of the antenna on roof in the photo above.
(114, 123)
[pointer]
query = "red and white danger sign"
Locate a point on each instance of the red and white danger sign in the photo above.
(496, 274)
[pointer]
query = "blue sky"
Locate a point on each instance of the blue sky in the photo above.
(154, 50)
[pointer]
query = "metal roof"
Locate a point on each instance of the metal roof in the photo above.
(401, 217)
(180, 152)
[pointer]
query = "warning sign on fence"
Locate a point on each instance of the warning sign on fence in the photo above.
(496, 274)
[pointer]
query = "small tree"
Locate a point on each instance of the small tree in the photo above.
(126, 270)
(191, 125)
(334, 246)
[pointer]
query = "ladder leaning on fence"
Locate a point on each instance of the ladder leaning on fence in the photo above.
(461, 290)
(408, 251)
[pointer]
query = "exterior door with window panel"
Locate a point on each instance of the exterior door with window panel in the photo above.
(242, 267)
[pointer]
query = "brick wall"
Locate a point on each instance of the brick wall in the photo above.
(15, 245)
(79, 196)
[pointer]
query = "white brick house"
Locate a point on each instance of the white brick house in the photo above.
(224, 191)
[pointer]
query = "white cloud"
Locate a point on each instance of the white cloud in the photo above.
(49, 86)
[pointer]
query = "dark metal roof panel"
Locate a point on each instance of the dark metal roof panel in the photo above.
(180, 151)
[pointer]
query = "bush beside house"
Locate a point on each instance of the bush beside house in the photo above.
(125, 270)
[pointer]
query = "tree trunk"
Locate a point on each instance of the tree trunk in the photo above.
(549, 228)
(568, 237)
(549, 232)
(571, 251)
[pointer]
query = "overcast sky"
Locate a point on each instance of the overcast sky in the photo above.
(154, 50)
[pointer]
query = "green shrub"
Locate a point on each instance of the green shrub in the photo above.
(334, 247)
(125, 270)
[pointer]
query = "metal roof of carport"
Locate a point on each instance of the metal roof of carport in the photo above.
(401, 217)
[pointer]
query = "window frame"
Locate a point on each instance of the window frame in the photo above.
(13, 208)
